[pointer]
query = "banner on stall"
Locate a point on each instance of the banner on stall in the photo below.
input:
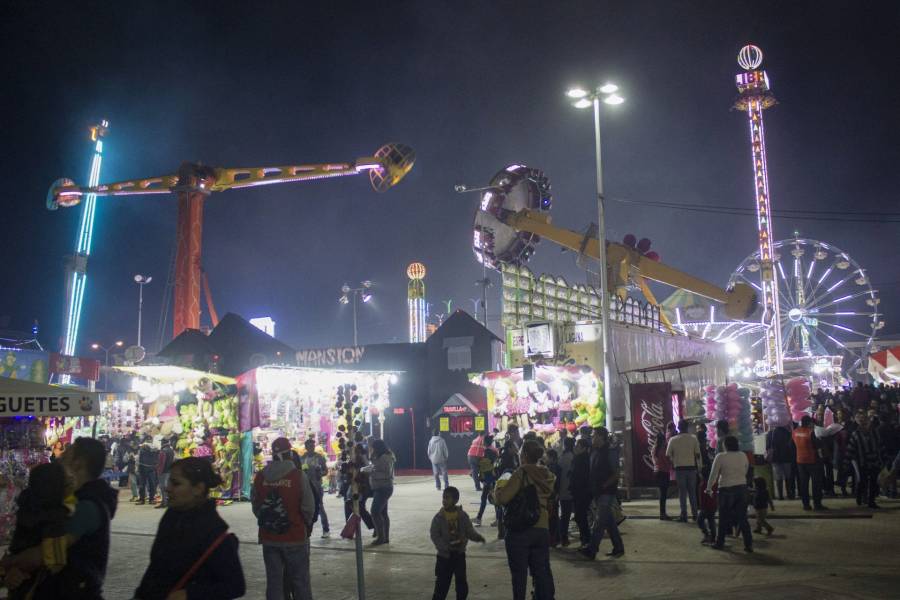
(651, 409)
(24, 365)
(28, 399)
(80, 368)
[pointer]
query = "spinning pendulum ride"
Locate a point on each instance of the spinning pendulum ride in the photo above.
(194, 182)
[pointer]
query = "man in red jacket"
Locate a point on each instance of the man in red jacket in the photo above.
(284, 504)
(809, 463)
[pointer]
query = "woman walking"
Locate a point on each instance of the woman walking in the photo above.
(662, 468)
(193, 554)
(381, 480)
(729, 469)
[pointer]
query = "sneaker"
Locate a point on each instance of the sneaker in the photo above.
(493, 524)
(757, 531)
(134, 499)
(161, 505)
(748, 549)
(769, 531)
(326, 535)
(378, 542)
(820, 507)
(587, 553)
(476, 521)
(717, 547)
(706, 541)
(807, 508)
(139, 502)
(683, 518)
(565, 542)
(874, 505)
(616, 553)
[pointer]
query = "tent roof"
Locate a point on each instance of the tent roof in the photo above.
(189, 341)
(236, 333)
(460, 319)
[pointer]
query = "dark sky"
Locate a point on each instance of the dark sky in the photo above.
(472, 86)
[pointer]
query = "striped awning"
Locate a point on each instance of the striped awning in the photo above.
(885, 365)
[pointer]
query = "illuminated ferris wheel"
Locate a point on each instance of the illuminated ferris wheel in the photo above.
(826, 301)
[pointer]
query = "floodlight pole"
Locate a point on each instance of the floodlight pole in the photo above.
(604, 279)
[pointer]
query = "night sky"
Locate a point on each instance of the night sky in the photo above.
(472, 86)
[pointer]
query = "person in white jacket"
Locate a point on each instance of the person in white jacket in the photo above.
(438, 453)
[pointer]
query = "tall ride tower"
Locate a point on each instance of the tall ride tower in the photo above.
(415, 301)
(755, 97)
(76, 266)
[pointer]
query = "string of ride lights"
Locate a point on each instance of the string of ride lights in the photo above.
(801, 215)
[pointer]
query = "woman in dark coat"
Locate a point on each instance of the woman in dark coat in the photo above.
(188, 529)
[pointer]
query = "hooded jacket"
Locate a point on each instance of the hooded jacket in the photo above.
(282, 490)
(381, 471)
(539, 476)
(438, 453)
(181, 538)
(442, 536)
(89, 555)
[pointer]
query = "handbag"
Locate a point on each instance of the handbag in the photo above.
(351, 527)
(199, 562)
(524, 510)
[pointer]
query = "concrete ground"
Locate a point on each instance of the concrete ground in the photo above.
(844, 553)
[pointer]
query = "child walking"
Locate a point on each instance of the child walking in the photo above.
(451, 530)
(709, 503)
(762, 502)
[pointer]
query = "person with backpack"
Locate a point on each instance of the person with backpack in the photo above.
(315, 467)
(193, 555)
(163, 468)
(503, 470)
(525, 498)
(565, 492)
(604, 480)
(284, 504)
(438, 453)
(486, 465)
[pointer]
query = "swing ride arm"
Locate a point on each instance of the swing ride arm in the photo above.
(621, 261)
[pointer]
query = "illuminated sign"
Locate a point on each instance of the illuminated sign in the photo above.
(479, 423)
(455, 409)
(444, 423)
(539, 340)
(330, 357)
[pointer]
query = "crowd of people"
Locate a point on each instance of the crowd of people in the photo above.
(537, 485)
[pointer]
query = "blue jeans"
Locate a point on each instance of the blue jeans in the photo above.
(287, 565)
(473, 472)
(133, 482)
(163, 482)
(526, 551)
(605, 520)
(440, 470)
(379, 512)
(687, 488)
(733, 513)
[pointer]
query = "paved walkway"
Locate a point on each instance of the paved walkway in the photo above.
(845, 553)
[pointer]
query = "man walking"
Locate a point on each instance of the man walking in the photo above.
(779, 448)
(864, 454)
(283, 502)
(809, 465)
(148, 457)
(315, 467)
(163, 467)
(438, 453)
(604, 480)
(684, 452)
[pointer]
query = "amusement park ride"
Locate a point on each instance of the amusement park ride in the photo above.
(194, 182)
(513, 217)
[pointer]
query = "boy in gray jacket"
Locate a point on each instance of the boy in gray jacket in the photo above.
(451, 530)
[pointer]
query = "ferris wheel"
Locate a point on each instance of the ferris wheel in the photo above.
(827, 304)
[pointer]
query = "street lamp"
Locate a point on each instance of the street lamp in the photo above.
(141, 280)
(583, 99)
(364, 294)
(95, 346)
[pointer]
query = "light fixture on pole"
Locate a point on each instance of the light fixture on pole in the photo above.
(583, 99)
(95, 346)
(141, 280)
(355, 295)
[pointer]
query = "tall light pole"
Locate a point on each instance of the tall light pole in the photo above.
(354, 295)
(95, 346)
(583, 99)
(141, 280)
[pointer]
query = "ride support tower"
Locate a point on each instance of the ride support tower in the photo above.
(76, 265)
(755, 97)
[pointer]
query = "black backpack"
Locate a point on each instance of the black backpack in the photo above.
(524, 510)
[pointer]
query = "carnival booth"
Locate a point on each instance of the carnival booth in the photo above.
(32, 417)
(302, 403)
(544, 398)
(462, 417)
(198, 409)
